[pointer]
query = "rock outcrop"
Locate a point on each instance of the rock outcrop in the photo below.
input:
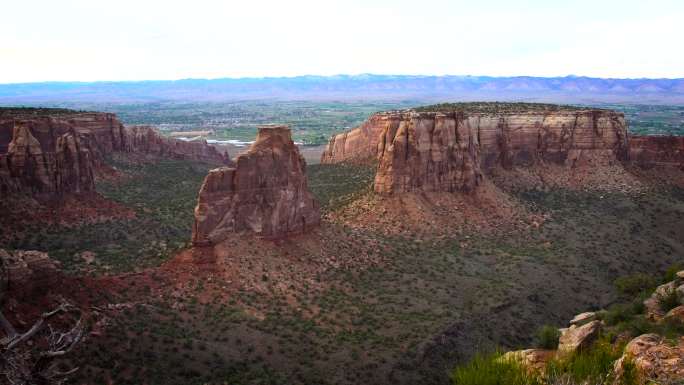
(534, 360)
(576, 338)
(444, 150)
(265, 193)
(26, 273)
(46, 153)
(654, 360)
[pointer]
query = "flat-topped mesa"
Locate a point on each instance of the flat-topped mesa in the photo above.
(265, 193)
(448, 147)
(46, 153)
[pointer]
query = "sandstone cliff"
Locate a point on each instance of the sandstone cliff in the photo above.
(446, 150)
(648, 151)
(46, 153)
(265, 193)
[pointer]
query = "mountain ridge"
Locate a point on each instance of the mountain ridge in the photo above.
(574, 89)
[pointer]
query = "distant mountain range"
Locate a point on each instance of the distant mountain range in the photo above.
(569, 89)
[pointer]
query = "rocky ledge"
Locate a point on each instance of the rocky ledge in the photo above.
(265, 193)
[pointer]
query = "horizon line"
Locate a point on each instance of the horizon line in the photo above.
(333, 76)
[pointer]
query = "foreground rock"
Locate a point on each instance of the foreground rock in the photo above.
(577, 338)
(655, 360)
(654, 310)
(47, 153)
(535, 360)
(27, 274)
(265, 193)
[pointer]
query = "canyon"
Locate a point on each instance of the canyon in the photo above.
(47, 153)
(406, 252)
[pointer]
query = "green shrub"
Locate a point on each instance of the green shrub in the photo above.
(632, 285)
(671, 272)
(593, 366)
(547, 337)
(492, 370)
(618, 313)
(668, 300)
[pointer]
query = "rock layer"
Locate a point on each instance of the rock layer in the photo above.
(265, 193)
(48, 154)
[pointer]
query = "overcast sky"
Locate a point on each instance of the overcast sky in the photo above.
(90, 40)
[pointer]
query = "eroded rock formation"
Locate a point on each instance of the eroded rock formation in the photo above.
(265, 193)
(450, 151)
(452, 147)
(47, 153)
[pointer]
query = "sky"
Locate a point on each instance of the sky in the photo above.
(93, 40)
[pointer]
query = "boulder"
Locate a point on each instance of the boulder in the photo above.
(654, 311)
(654, 361)
(577, 338)
(583, 318)
(534, 360)
(265, 193)
(27, 273)
(675, 315)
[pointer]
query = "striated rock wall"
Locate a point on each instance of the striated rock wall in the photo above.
(648, 151)
(30, 166)
(436, 152)
(48, 154)
(359, 144)
(265, 193)
(449, 151)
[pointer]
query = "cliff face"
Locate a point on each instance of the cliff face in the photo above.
(449, 151)
(265, 193)
(361, 143)
(147, 140)
(48, 155)
(429, 153)
(649, 151)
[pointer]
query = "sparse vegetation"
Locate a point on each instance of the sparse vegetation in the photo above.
(547, 337)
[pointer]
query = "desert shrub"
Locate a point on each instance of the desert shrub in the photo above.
(668, 300)
(632, 285)
(593, 366)
(618, 313)
(671, 272)
(547, 337)
(490, 369)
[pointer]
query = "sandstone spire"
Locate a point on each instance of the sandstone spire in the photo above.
(265, 193)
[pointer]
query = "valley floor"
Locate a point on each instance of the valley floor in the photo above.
(345, 304)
